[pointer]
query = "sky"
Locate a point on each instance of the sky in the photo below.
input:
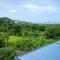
(36, 11)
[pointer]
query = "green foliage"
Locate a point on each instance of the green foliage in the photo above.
(2, 39)
(53, 31)
(7, 53)
(18, 28)
(2, 44)
(28, 43)
(24, 36)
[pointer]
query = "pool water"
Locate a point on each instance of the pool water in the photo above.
(50, 52)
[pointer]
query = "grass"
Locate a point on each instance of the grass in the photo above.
(18, 45)
(26, 42)
(13, 40)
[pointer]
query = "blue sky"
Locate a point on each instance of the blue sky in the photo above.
(37, 11)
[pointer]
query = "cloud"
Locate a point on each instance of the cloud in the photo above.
(39, 7)
(31, 6)
(13, 10)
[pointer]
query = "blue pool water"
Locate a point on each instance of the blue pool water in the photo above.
(50, 52)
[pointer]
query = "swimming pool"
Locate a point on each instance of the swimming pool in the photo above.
(50, 52)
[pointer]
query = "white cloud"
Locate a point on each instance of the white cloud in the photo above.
(32, 7)
(13, 10)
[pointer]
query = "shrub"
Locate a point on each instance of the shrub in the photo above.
(2, 39)
(2, 42)
(7, 53)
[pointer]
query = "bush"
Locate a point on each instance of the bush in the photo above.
(7, 53)
(2, 42)
(2, 39)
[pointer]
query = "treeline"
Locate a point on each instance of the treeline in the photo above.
(19, 28)
(10, 27)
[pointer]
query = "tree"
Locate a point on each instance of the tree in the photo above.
(6, 26)
(2, 39)
(52, 31)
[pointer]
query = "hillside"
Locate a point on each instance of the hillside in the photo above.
(17, 37)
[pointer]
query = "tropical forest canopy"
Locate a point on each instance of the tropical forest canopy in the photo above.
(19, 28)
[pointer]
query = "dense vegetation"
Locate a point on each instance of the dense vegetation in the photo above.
(17, 37)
